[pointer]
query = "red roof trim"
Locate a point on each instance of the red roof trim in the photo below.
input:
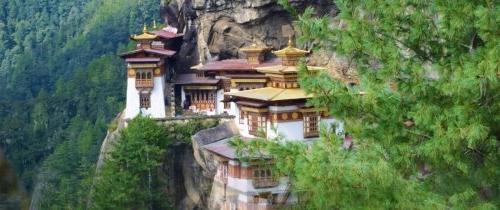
(236, 64)
(142, 60)
(192, 79)
(165, 53)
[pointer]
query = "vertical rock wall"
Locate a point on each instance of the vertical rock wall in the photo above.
(216, 29)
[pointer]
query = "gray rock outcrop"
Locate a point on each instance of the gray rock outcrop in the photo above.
(217, 29)
(200, 168)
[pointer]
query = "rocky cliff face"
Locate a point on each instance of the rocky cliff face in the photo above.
(216, 29)
(207, 164)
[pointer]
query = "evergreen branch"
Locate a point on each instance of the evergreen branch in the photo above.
(419, 134)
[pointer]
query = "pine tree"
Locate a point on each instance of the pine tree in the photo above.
(126, 181)
(424, 115)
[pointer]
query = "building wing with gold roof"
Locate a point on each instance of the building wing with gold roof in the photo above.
(277, 108)
(280, 108)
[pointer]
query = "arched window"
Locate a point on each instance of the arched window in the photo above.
(137, 75)
(143, 76)
(149, 75)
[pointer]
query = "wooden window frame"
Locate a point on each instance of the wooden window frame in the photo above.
(256, 123)
(144, 78)
(145, 100)
(242, 117)
(311, 124)
(262, 176)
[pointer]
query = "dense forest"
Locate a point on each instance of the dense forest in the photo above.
(60, 84)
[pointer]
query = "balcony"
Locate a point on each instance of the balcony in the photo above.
(144, 83)
(265, 182)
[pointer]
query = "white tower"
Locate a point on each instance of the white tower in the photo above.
(146, 71)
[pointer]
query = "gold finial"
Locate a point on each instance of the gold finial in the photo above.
(290, 41)
(145, 29)
(154, 24)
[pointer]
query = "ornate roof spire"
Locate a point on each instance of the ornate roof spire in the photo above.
(290, 44)
(145, 35)
(290, 55)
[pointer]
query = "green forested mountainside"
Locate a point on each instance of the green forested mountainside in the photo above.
(61, 82)
(424, 116)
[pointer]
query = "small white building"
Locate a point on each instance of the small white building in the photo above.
(148, 67)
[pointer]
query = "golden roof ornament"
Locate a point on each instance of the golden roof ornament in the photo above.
(290, 51)
(146, 35)
(289, 60)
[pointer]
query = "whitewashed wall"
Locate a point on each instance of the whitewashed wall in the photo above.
(219, 106)
(157, 109)
(291, 131)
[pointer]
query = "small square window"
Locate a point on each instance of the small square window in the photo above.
(145, 100)
(311, 125)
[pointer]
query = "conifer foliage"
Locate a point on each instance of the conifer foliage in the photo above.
(129, 177)
(424, 116)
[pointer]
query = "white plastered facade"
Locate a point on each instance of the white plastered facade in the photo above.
(157, 109)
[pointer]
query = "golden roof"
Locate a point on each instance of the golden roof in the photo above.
(272, 94)
(146, 35)
(254, 49)
(290, 51)
(280, 69)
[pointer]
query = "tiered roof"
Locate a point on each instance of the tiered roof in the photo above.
(160, 52)
(147, 51)
(291, 51)
(164, 33)
(289, 55)
(146, 35)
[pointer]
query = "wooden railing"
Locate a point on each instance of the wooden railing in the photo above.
(143, 83)
(265, 182)
(204, 105)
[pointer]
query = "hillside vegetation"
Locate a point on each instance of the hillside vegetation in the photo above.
(60, 84)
